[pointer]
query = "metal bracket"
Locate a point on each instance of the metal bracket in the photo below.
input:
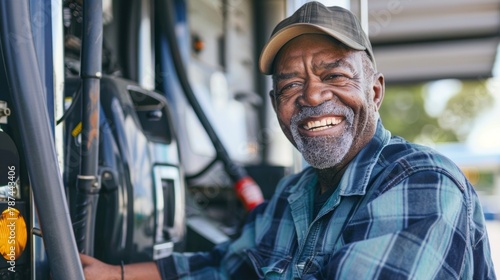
(4, 112)
(163, 250)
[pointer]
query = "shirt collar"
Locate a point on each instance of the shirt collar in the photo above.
(357, 175)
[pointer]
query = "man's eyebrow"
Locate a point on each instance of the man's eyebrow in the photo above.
(283, 76)
(339, 63)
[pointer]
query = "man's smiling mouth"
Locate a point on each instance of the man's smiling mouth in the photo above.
(322, 124)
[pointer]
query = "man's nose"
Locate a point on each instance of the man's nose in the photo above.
(315, 93)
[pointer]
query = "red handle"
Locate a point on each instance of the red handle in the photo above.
(248, 192)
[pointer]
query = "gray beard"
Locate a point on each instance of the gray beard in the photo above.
(323, 151)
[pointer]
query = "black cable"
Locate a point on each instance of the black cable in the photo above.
(70, 109)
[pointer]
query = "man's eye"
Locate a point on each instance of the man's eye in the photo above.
(334, 77)
(289, 86)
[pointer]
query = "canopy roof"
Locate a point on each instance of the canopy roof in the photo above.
(434, 39)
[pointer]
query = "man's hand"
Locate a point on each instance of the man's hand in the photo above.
(97, 270)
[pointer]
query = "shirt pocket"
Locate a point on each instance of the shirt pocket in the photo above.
(266, 263)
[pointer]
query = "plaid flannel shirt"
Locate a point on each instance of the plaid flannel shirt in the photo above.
(401, 211)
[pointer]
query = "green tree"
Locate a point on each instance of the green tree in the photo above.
(463, 108)
(403, 112)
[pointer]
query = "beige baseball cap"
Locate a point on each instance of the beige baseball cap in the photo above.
(315, 18)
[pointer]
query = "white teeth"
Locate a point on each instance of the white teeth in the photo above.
(318, 128)
(322, 124)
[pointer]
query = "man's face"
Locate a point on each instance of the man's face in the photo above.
(325, 104)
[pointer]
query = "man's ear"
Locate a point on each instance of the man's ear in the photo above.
(378, 90)
(273, 100)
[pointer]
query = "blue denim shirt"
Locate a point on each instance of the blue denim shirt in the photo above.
(401, 211)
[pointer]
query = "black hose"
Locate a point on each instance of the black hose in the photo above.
(166, 10)
(246, 189)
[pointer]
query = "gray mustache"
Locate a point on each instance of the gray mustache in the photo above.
(323, 109)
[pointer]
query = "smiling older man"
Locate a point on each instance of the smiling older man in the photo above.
(370, 206)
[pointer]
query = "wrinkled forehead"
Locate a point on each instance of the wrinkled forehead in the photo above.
(310, 44)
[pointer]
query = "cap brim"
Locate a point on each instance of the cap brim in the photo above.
(279, 39)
